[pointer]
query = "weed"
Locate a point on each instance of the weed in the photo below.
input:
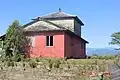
(50, 63)
(32, 64)
(37, 59)
(57, 64)
(23, 64)
(10, 63)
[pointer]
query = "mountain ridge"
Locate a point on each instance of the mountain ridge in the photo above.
(102, 51)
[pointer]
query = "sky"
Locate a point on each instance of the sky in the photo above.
(101, 17)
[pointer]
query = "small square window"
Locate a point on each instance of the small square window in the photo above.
(49, 40)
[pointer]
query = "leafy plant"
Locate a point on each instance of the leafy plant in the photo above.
(10, 63)
(15, 40)
(37, 59)
(115, 38)
(50, 63)
(57, 63)
(33, 64)
(23, 64)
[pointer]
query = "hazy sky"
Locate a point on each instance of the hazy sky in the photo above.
(101, 17)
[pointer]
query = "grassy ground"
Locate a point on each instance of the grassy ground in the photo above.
(53, 69)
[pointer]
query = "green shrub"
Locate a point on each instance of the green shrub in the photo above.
(65, 58)
(54, 63)
(95, 62)
(37, 59)
(18, 57)
(94, 57)
(1, 68)
(10, 63)
(50, 63)
(27, 59)
(23, 64)
(33, 64)
(15, 58)
(57, 63)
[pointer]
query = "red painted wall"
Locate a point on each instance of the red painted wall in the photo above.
(64, 45)
(41, 50)
(73, 47)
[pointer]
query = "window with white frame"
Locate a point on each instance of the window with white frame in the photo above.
(49, 40)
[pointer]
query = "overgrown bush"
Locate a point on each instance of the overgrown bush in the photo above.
(54, 63)
(18, 57)
(27, 59)
(50, 63)
(37, 59)
(15, 58)
(33, 64)
(57, 63)
(23, 64)
(94, 57)
(10, 63)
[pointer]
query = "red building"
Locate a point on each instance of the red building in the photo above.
(56, 35)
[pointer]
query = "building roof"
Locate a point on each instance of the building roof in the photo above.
(42, 25)
(45, 24)
(59, 15)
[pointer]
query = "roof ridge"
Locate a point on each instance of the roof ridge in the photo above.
(57, 14)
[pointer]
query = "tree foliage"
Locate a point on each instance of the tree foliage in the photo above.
(115, 38)
(0, 44)
(15, 40)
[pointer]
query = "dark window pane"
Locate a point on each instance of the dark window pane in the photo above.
(51, 40)
(47, 40)
(82, 44)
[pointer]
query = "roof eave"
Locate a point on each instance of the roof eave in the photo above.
(54, 18)
(82, 24)
(85, 41)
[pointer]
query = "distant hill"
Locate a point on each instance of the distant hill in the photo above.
(102, 51)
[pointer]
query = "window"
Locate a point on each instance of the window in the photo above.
(49, 40)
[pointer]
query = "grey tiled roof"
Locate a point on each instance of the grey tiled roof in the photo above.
(59, 14)
(43, 25)
(41, 28)
(45, 18)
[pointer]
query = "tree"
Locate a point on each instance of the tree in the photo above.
(115, 39)
(15, 40)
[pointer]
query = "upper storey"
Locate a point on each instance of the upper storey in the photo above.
(61, 19)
